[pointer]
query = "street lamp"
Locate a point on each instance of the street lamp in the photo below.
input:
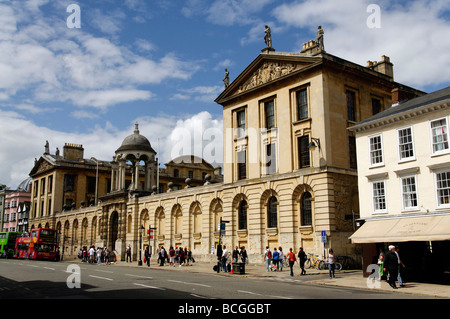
(140, 229)
(312, 145)
(96, 179)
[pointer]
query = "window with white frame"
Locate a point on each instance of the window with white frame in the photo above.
(409, 192)
(405, 144)
(379, 196)
(376, 150)
(443, 188)
(439, 135)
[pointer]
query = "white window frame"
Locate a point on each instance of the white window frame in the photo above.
(410, 158)
(374, 200)
(381, 149)
(444, 151)
(436, 172)
(402, 193)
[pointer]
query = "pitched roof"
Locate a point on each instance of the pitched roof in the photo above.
(427, 99)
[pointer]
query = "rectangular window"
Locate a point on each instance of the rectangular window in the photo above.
(443, 188)
(270, 114)
(91, 183)
(405, 144)
(303, 151)
(70, 183)
(240, 123)
(376, 106)
(271, 159)
(352, 151)
(409, 192)
(351, 106)
(302, 104)
(242, 165)
(439, 134)
(376, 150)
(379, 197)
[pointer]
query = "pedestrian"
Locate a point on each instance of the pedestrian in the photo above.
(281, 258)
(106, 256)
(391, 266)
(243, 255)
(181, 256)
(275, 259)
(99, 255)
(291, 259)
(128, 252)
(147, 256)
(331, 260)
(381, 266)
(189, 257)
(400, 268)
(171, 256)
(268, 258)
(235, 254)
(224, 258)
(91, 255)
(302, 259)
(161, 256)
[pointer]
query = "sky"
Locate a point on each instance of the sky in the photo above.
(85, 74)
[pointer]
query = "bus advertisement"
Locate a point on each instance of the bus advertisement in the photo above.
(7, 243)
(41, 244)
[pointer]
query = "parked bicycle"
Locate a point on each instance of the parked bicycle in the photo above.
(346, 261)
(314, 261)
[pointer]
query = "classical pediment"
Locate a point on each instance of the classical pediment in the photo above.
(45, 163)
(267, 68)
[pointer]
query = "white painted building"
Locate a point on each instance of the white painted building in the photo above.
(403, 157)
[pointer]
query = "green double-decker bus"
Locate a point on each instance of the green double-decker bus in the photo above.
(8, 243)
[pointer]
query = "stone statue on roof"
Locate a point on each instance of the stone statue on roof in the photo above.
(268, 36)
(47, 148)
(319, 38)
(226, 79)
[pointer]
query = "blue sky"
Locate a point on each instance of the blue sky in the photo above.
(161, 64)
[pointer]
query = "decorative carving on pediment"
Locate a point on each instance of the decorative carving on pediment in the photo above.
(43, 166)
(269, 71)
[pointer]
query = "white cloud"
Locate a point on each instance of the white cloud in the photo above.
(51, 61)
(22, 137)
(201, 93)
(413, 34)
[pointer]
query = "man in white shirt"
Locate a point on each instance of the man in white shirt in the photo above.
(91, 255)
(224, 258)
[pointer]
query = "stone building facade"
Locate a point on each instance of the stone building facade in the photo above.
(290, 170)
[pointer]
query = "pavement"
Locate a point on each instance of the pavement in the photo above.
(343, 278)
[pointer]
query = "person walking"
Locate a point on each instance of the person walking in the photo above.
(99, 255)
(235, 254)
(91, 255)
(302, 259)
(280, 258)
(147, 256)
(275, 259)
(243, 255)
(400, 268)
(291, 259)
(128, 252)
(224, 258)
(171, 256)
(268, 258)
(391, 266)
(162, 256)
(331, 260)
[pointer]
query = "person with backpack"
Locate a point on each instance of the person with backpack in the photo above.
(291, 258)
(275, 259)
(268, 258)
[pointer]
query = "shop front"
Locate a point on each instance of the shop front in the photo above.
(423, 241)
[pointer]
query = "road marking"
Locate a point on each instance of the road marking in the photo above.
(109, 272)
(151, 287)
(100, 277)
(189, 283)
(49, 268)
(249, 292)
(138, 276)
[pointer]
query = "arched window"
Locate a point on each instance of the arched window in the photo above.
(305, 208)
(243, 215)
(272, 208)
